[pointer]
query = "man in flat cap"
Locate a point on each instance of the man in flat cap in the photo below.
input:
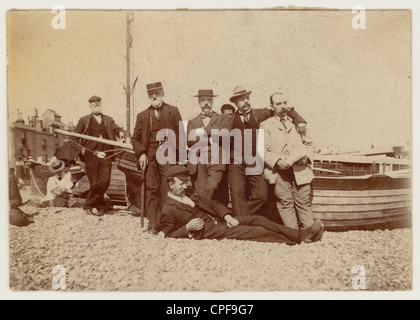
(188, 215)
(249, 190)
(159, 116)
(98, 163)
(207, 174)
(229, 110)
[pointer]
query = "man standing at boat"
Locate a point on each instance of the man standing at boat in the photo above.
(207, 176)
(288, 156)
(159, 116)
(98, 162)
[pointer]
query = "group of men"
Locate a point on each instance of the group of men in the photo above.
(173, 208)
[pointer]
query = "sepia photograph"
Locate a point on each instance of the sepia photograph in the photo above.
(241, 150)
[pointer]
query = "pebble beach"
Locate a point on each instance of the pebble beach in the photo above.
(113, 253)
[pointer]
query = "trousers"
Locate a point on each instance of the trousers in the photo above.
(255, 228)
(208, 179)
(99, 175)
(156, 192)
(249, 193)
(294, 202)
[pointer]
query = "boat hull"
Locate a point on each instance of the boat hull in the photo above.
(379, 202)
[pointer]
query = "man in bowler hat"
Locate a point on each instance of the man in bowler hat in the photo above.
(189, 215)
(98, 162)
(207, 176)
(158, 116)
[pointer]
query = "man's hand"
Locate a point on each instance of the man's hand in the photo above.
(283, 165)
(144, 162)
(195, 225)
(231, 221)
(301, 128)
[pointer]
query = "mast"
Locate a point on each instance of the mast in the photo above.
(128, 90)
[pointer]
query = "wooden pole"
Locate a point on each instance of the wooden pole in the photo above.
(117, 144)
(128, 85)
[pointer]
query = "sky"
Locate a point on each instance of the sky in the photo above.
(353, 86)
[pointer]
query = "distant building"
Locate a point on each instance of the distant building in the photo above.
(36, 138)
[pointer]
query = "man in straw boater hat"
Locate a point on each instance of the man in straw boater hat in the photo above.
(58, 186)
(188, 215)
(207, 174)
(249, 190)
(98, 161)
(157, 117)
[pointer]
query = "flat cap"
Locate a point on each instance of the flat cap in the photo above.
(154, 86)
(95, 99)
(228, 107)
(179, 172)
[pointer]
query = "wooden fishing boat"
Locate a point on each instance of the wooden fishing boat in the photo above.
(362, 193)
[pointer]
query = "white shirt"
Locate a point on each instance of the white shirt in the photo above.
(156, 111)
(54, 183)
(184, 199)
(98, 118)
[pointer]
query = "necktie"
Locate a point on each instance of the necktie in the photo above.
(246, 116)
(206, 115)
(158, 112)
(283, 122)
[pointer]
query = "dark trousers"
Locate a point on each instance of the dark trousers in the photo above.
(249, 193)
(254, 228)
(99, 175)
(222, 194)
(156, 192)
(208, 179)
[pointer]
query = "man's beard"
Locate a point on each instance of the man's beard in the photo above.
(156, 103)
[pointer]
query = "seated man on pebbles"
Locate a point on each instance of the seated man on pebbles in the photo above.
(198, 218)
(58, 186)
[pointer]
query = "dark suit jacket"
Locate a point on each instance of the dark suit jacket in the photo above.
(261, 115)
(141, 136)
(111, 127)
(217, 121)
(176, 215)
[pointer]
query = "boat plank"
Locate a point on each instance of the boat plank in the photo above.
(360, 201)
(361, 208)
(339, 216)
(361, 193)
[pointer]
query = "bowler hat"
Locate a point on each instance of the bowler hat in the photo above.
(57, 166)
(154, 86)
(179, 172)
(205, 93)
(238, 92)
(95, 99)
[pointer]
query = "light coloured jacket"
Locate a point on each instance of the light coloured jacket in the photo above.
(56, 186)
(286, 144)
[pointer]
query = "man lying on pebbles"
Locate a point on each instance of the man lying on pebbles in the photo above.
(198, 218)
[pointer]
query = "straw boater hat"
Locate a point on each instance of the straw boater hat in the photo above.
(239, 91)
(205, 93)
(57, 166)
